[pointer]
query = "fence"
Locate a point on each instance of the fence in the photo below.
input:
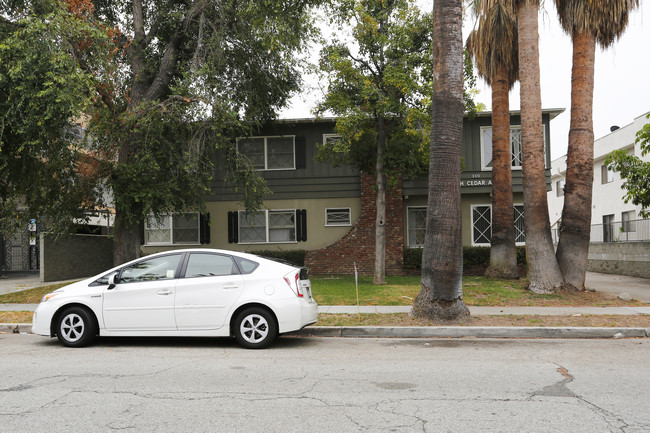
(617, 231)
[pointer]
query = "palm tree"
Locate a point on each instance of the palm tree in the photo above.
(441, 297)
(588, 23)
(494, 47)
(543, 271)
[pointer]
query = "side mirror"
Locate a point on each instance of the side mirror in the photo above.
(112, 281)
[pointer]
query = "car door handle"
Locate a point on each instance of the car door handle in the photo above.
(165, 292)
(230, 286)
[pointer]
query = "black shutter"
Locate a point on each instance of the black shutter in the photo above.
(141, 232)
(301, 225)
(233, 227)
(204, 228)
(301, 152)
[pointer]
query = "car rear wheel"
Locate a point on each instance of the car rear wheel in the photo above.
(255, 328)
(76, 327)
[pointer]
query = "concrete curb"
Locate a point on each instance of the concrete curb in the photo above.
(434, 331)
(471, 332)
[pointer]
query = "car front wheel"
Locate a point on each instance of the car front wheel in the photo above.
(76, 327)
(255, 328)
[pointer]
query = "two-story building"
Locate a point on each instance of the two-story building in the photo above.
(329, 211)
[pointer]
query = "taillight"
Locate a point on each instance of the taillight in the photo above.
(295, 284)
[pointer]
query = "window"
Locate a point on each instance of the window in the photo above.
(515, 147)
(416, 221)
(337, 217)
(209, 265)
(268, 226)
(628, 224)
(606, 173)
(482, 224)
(269, 153)
(330, 139)
(159, 268)
(559, 187)
(174, 229)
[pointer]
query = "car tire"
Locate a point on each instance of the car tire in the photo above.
(76, 327)
(255, 328)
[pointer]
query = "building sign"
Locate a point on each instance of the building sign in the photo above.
(476, 180)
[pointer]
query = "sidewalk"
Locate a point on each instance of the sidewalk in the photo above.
(638, 288)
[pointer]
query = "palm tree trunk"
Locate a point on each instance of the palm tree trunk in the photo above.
(503, 253)
(543, 271)
(573, 247)
(380, 220)
(441, 297)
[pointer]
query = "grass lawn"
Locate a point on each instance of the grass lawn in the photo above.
(478, 291)
(29, 296)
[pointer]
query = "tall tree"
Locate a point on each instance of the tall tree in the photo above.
(377, 89)
(493, 44)
(42, 89)
(441, 297)
(184, 77)
(543, 271)
(588, 23)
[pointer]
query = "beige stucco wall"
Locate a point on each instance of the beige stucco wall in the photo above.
(318, 235)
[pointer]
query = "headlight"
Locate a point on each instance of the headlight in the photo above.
(49, 296)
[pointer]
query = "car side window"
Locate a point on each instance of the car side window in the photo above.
(158, 268)
(103, 280)
(209, 265)
(246, 266)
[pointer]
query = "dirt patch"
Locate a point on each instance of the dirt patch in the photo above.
(403, 319)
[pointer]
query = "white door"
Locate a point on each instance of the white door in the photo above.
(204, 297)
(144, 298)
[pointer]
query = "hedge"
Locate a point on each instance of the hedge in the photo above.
(296, 257)
(472, 257)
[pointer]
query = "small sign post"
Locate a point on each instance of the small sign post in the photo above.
(356, 285)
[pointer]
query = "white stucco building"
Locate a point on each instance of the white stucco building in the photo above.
(611, 218)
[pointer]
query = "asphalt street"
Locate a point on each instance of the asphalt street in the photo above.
(325, 385)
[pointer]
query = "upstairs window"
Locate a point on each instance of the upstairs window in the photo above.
(515, 147)
(559, 188)
(606, 173)
(269, 153)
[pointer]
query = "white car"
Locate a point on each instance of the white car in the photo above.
(195, 292)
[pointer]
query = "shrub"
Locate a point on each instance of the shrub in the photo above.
(472, 257)
(296, 257)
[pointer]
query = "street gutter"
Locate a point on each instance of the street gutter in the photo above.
(434, 331)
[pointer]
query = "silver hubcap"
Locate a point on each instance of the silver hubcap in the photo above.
(72, 327)
(254, 328)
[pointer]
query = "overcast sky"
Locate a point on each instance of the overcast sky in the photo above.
(622, 83)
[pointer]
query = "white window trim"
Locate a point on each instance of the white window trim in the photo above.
(606, 174)
(474, 244)
(348, 224)
(266, 151)
(512, 167)
(408, 225)
(171, 229)
(326, 136)
(267, 234)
